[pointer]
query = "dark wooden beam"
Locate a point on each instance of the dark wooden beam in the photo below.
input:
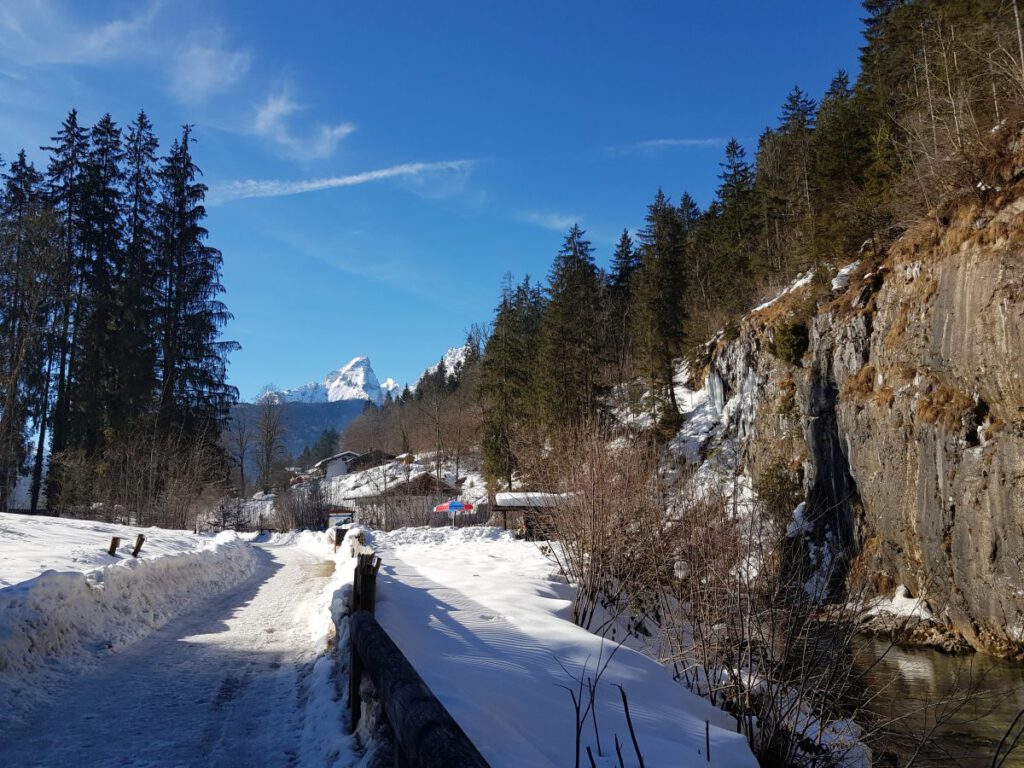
(425, 734)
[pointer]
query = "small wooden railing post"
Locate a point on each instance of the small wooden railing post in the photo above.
(115, 542)
(355, 678)
(138, 545)
(364, 598)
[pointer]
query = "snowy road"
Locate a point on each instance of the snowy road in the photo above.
(223, 685)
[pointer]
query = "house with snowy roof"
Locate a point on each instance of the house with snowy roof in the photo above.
(392, 494)
(336, 465)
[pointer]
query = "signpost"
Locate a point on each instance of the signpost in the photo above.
(341, 520)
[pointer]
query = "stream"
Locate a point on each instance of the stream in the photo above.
(970, 733)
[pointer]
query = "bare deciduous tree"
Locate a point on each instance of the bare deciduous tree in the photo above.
(269, 442)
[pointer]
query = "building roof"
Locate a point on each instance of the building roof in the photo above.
(529, 500)
(386, 479)
(345, 456)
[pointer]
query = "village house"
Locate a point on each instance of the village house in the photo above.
(391, 495)
(337, 465)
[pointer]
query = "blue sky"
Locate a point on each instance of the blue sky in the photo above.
(375, 168)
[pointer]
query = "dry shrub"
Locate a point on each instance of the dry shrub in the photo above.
(943, 405)
(610, 502)
(142, 478)
(860, 386)
(302, 506)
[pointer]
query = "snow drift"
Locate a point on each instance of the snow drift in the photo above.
(57, 623)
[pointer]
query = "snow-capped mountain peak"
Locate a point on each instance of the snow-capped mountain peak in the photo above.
(353, 381)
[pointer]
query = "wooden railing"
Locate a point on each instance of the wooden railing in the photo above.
(426, 735)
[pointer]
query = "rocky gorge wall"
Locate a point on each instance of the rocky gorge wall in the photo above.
(896, 397)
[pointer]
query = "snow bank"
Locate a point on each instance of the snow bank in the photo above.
(483, 618)
(842, 279)
(800, 282)
(57, 622)
(902, 605)
(32, 544)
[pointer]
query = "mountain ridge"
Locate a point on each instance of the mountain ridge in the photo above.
(356, 380)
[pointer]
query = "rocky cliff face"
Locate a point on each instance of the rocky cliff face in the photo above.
(897, 399)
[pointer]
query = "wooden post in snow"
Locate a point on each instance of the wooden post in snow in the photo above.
(138, 545)
(364, 598)
(115, 542)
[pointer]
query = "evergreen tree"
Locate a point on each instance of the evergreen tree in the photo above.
(325, 446)
(731, 232)
(658, 302)
(94, 385)
(191, 365)
(569, 359)
(840, 153)
(785, 191)
(618, 310)
(505, 393)
(29, 257)
(625, 262)
(65, 183)
(134, 343)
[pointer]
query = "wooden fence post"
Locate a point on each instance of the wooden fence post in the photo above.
(364, 598)
(138, 545)
(355, 677)
(115, 542)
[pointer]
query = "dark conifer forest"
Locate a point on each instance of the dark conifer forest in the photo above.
(112, 369)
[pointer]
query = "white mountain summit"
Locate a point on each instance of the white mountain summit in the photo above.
(353, 381)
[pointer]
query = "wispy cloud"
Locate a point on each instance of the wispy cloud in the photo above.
(655, 145)
(206, 67)
(557, 222)
(38, 32)
(197, 64)
(240, 190)
(272, 123)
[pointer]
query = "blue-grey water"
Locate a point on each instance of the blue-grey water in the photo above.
(912, 685)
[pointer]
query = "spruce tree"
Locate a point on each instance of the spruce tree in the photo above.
(568, 383)
(505, 377)
(658, 303)
(64, 183)
(94, 382)
(785, 191)
(840, 153)
(134, 341)
(618, 310)
(731, 232)
(625, 262)
(29, 259)
(192, 392)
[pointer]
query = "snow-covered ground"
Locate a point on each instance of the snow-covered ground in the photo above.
(65, 603)
(483, 618)
(214, 651)
(240, 680)
(31, 544)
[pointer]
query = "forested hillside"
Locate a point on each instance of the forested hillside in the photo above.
(838, 175)
(112, 368)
